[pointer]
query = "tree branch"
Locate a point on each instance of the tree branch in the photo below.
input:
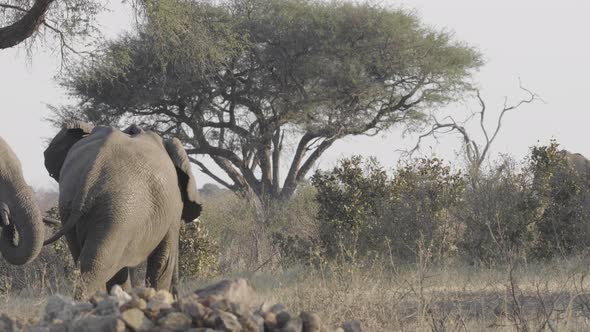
(25, 27)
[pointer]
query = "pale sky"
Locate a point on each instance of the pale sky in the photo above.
(542, 42)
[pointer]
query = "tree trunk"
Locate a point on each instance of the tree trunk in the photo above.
(22, 29)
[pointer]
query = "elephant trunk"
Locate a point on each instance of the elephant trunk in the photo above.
(22, 231)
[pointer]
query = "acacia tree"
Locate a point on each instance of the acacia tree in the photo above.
(68, 21)
(242, 81)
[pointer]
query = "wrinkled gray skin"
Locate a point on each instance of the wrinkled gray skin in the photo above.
(21, 222)
(122, 195)
(578, 162)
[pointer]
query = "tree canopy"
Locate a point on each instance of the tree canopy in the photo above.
(67, 21)
(254, 83)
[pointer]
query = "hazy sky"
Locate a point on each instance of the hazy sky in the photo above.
(542, 42)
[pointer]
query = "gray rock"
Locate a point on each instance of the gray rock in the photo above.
(293, 325)
(144, 292)
(136, 320)
(234, 290)
(252, 323)
(175, 321)
(238, 309)
(227, 321)
(9, 324)
(109, 306)
(311, 322)
(283, 318)
(202, 329)
(160, 301)
(34, 329)
(220, 304)
(120, 295)
(195, 310)
(59, 307)
(277, 308)
(352, 326)
(97, 324)
(270, 320)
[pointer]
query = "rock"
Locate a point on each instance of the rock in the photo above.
(144, 292)
(252, 323)
(227, 321)
(136, 320)
(283, 318)
(234, 290)
(98, 324)
(277, 308)
(98, 297)
(220, 304)
(120, 295)
(175, 321)
(238, 309)
(109, 306)
(136, 302)
(293, 325)
(195, 310)
(311, 322)
(352, 326)
(9, 324)
(202, 329)
(162, 300)
(270, 320)
(59, 307)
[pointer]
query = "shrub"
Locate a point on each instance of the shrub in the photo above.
(424, 196)
(351, 198)
(198, 252)
(363, 211)
(563, 225)
(498, 214)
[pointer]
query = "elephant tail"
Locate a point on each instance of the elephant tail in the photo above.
(67, 226)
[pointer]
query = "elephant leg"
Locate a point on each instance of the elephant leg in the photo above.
(99, 264)
(122, 278)
(162, 262)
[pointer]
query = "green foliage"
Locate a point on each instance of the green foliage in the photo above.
(425, 195)
(198, 252)
(363, 211)
(563, 191)
(232, 79)
(64, 25)
(350, 199)
(498, 215)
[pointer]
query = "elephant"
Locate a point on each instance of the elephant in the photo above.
(577, 162)
(21, 220)
(122, 196)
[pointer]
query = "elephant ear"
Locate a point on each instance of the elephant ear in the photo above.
(56, 152)
(186, 181)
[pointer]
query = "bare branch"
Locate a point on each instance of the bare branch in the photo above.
(476, 153)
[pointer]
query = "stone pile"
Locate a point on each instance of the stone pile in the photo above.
(225, 306)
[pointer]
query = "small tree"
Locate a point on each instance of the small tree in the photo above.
(351, 199)
(242, 81)
(425, 195)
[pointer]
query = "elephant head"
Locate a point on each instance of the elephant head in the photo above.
(21, 221)
(56, 152)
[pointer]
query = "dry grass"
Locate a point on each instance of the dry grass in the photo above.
(452, 297)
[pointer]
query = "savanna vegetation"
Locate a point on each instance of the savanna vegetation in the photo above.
(418, 246)
(256, 87)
